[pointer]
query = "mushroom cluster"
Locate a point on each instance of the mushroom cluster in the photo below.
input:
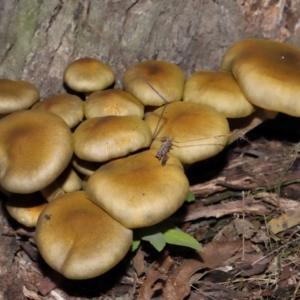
(86, 172)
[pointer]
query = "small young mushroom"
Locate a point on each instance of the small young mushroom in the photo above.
(68, 181)
(16, 95)
(88, 75)
(218, 90)
(78, 239)
(137, 190)
(165, 77)
(68, 107)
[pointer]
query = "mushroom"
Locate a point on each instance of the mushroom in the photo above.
(112, 103)
(137, 190)
(78, 239)
(88, 75)
(25, 208)
(68, 107)
(239, 127)
(267, 73)
(69, 181)
(52, 191)
(16, 95)
(103, 138)
(221, 91)
(153, 81)
(194, 131)
(218, 90)
(35, 147)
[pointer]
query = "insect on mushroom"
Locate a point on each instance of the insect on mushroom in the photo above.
(165, 147)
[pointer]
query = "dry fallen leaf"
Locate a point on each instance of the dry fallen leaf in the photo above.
(178, 283)
(247, 205)
(157, 271)
(257, 264)
(285, 221)
(216, 254)
(244, 227)
(138, 263)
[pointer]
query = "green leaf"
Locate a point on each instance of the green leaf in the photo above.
(157, 240)
(180, 238)
(160, 234)
(190, 197)
(135, 245)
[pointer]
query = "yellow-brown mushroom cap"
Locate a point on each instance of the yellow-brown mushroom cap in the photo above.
(197, 131)
(69, 180)
(167, 79)
(268, 73)
(68, 107)
(25, 208)
(35, 147)
(17, 95)
(218, 90)
(112, 103)
(78, 239)
(104, 138)
(137, 190)
(88, 75)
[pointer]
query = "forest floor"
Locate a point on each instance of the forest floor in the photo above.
(246, 215)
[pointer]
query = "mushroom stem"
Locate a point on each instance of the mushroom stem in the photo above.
(248, 123)
(52, 191)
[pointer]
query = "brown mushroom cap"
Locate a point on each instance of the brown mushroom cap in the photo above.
(35, 147)
(167, 79)
(267, 73)
(88, 75)
(104, 138)
(78, 239)
(137, 190)
(197, 131)
(17, 95)
(69, 181)
(112, 103)
(68, 107)
(25, 208)
(218, 90)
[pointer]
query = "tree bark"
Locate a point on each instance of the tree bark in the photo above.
(40, 38)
